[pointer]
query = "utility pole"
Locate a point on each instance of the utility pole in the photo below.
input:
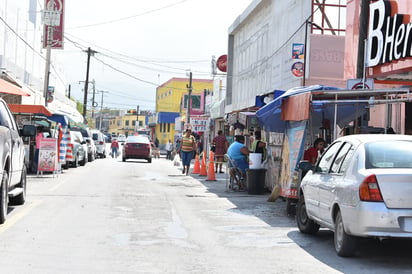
(137, 117)
(101, 109)
(90, 52)
(94, 104)
(189, 103)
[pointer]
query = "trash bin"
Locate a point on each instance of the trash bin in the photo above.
(255, 180)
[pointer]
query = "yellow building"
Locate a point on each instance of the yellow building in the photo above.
(126, 124)
(171, 102)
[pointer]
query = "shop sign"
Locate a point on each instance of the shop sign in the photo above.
(222, 63)
(47, 154)
(199, 123)
(389, 37)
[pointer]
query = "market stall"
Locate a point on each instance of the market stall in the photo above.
(301, 115)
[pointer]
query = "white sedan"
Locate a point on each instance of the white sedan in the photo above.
(360, 187)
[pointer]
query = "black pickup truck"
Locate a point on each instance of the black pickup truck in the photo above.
(13, 170)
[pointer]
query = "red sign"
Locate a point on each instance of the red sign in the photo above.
(222, 63)
(57, 39)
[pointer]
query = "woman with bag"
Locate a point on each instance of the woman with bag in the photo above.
(187, 149)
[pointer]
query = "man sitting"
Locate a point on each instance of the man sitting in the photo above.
(238, 152)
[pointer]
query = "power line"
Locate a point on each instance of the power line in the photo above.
(128, 17)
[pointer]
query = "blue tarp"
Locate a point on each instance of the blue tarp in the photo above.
(269, 116)
(167, 117)
(63, 120)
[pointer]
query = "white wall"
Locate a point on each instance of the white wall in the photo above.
(262, 49)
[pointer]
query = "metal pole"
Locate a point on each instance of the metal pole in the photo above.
(50, 30)
(189, 103)
(304, 54)
(86, 83)
(101, 112)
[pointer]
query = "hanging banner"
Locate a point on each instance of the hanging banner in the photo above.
(56, 41)
(47, 155)
(292, 152)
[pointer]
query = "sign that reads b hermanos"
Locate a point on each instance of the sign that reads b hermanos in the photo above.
(390, 38)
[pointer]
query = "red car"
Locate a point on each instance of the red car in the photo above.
(137, 147)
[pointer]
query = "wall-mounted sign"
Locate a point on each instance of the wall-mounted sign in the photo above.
(359, 84)
(389, 35)
(221, 63)
(298, 50)
(297, 69)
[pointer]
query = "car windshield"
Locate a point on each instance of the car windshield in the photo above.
(137, 139)
(389, 154)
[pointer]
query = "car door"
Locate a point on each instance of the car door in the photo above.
(319, 178)
(17, 147)
(328, 189)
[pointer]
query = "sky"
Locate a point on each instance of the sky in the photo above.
(141, 44)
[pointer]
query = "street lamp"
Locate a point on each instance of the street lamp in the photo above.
(306, 43)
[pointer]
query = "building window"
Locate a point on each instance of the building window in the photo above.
(168, 127)
(195, 101)
(126, 123)
(119, 123)
(133, 123)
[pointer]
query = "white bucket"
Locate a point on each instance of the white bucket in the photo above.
(255, 160)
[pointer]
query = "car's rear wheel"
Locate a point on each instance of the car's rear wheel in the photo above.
(345, 245)
(124, 159)
(21, 198)
(305, 224)
(84, 161)
(149, 160)
(4, 197)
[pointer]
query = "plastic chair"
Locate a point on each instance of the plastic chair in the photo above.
(234, 175)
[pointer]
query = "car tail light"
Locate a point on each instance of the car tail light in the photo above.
(126, 146)
(369, 190)
(100, 143)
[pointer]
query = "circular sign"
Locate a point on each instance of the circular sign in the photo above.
(221, 63)
(297, 69)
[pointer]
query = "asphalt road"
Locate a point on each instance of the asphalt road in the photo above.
(134, 217)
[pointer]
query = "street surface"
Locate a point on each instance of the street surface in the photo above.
(134, 217)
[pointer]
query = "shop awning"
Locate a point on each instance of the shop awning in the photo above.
(167, 117)
(9, 88)
(30, 109)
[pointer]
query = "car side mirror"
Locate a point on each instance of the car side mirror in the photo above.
(28, 131)
(83, 142)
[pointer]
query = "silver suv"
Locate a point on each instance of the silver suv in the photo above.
(13, 169)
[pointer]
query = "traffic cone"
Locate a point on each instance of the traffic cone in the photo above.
(211, 171)
(203, 171)
(196, 168)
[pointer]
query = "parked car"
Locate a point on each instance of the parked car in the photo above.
(13, 169)
(137, 147)
(360, 187)
(76, 153)
(91, 147)
(100, 142)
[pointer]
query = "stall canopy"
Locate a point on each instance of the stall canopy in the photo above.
(9, 88)
(62, 119)
(30, 109)
(317, 102)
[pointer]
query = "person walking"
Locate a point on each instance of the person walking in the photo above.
(188, 147)
(169, 148)
(220, 144)
(115, 147)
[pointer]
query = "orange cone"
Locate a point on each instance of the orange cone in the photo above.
(211, 171)
(196, 168)
(203, 171)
